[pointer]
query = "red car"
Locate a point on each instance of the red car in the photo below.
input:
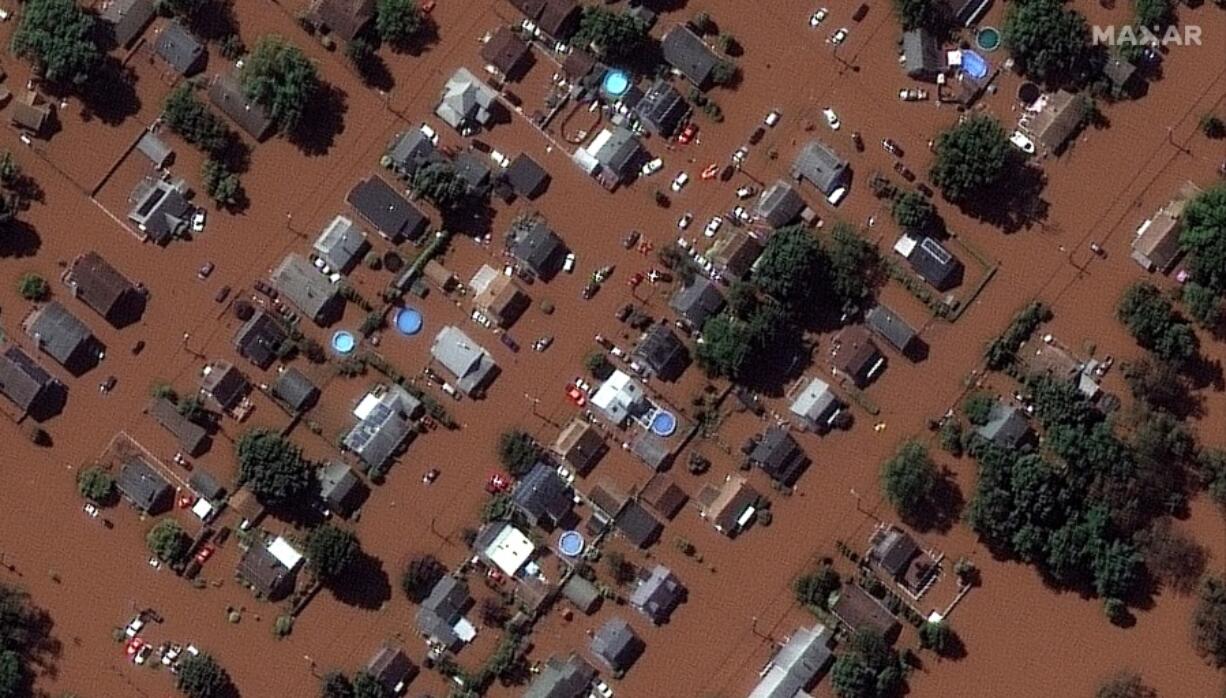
(688, 134)
(635, 280)
(204, 553)
(133, 646)
(497, 483)
(575, 395)
(710, 172)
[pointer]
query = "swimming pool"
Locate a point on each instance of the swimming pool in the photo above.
(570, 543)
(663, 423)
(343, 342)
(988, 38)
(616, 83)
(408, 321)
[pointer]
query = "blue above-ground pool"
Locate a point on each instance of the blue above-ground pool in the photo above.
(570, 543)
(343, 342)
(974, 65)
(616, 83)
(408, 321)
(663, 423)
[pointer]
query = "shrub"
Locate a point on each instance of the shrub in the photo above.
(33, 287)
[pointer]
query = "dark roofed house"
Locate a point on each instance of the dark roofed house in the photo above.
(662, 494)
(530, 8)
(474, 169)
(179, 49)
(224, 385)
(686, 52)
(578, 65)
(391, 669)
(579, 445)
(468, 362)
(820, 166)
(126, 19)
(294, 389)
(192, 437)
(144, 487)
(31, 113)
(536, 247)
(467, 103)
(559, 19)
(779, 204)
(341, 490)
(654, 450)
(1006, 427)
(23, 381)
(856, 356)
(618, 153)
(890, 327)
(543, 497)
(526, 177)
(160, 209)
(662, 109)
(227, 94)
(441, 616)
(899, 556)
(206, 486)
(410, 150)
(657, 594)
(796, 665)
(697, 302)
(931, 261)
(616, 645)
(858, 610)
(264, 572)
(569, 678)
(390, 213)
(344, 18)
(582, 594)
(341, 245)
(507, 53)
(923, 58)
(1120, 72)
(779, 456)
(60, 335)
(731, 506)
(308, 289)
(637, 525)
(100, 286)
(734, 253)
(260, 338)
(662, 352)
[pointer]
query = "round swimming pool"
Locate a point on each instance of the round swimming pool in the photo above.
(408, 321)
(988, 39)
(663, 423)
(616, 83)
(570, 543)
(343, 342)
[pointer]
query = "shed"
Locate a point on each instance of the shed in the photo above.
(155, 149)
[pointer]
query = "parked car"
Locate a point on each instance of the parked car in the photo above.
(652, 167)
(631, 239)
(542, 343)
(771, 119)
(831, 118)
(107, 385)
(134, 626)
(741, 153)
(819, 16)
(713, 227)
(204, 553)
(680, 181)
(757, 135)
(222, 294)
(508, 342)
(891, 147)
(266, 289)
(429, 132)
(745, 192)
(688, 133)
(198, 220)
(568, 265)
(205, 270)
(839, 36)
(1022, 142)
(836, 196)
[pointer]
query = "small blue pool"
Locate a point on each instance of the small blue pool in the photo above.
(974, 65)
(570, 543)
(988, 39)
(408, 321)
(343, 342)
(663, 423)
(616, 83)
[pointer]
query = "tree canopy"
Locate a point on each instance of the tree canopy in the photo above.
(24, 642)
(190, 118)
(272, 467)
(868, 668)
(420, 576)
(168, 541)
(200, 676)
(1126, 684)
(1154, 323)
(367, 686)
(971, 158)
(33, 287)
(278, 76)
(814, 588)
(95, 484)
(790, 263)
(441, 184)
(1156, 15)
(330, 550)
(1204, 238)
(399, 22)
(938, 637)
(59, 39)
(729, 342)
(614, 35)
(1048, 41)
(1209, 622)
(335, 684)
(911, 481)
(518, 451)
(912, 210)
(931, 15)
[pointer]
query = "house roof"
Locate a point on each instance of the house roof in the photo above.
(1118, 70)
(1156, 246)
(341, 244)
(339, 487)
(582, 593)
(205, 485)
(296, 390)
(127, 18)
(97, 284)
(814, 402)
(725, 505)
(530, 8)
(559, 19)
(937, 265)
(474, 169)
(497, 295)
(391, 668)
(1006, 427)
(22, 380)
(58, 333)
(1060, 116)
(686, 51)
(620, 397)
(410, 150)
(505, 546)
(820, 165)
(579, 445)
(735, 252)
(658, 592)
(344, 18)
(578, 65)
(226, 93)
(858, 610)
(260, 338)
(855, 354)
(468, 361)
(224, 384)
(536, 247)
(779, 204)
(386, 417)
(191, 436)
(662, 108)
(569, 678)
(527, 178)
(244, 503)
(796, 664)
(441, 610)
(505, 51)
(637, 524)
(607, 498)
(389, 212)
(778, 454)
(143, 486)
(697, 301)
(154, 148)
(893, 550)
(616, 644)
(160, 209)
(651, 448)
(30, 113)
(661, 350)
(890, 327)
(543, 496)
(465, 99)
(662, 494)
(179, 49)
(922, 55)
(261, 569)
(303, 285)
(618, 152)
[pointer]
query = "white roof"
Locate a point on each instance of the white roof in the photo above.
(814, 401)
(285, 553)
(202, 508)
(482, 279)
(509, 550)
(617, 395)
(905, 246)
(367, 404)
(464, 630)
(598, 142)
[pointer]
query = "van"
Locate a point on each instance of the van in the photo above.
(836, 196)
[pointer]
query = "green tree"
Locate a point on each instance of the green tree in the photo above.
(1213, 126)
(190, 118)
(911, 210)
(621, 569)
(518, 452)
(59, 39)
(910, 481)
(95, 484)
(12, 674)
(360, 52)
(977, 407)
(399, 22)
(193, 409)
(702, 24)
(728, 343)
(814, 588)
(272, 467)
(789, 266)
(1126, 684)
(10, 170)
(868, 668)
(938, 637)
(33, 287)
(1048, 41)
(441, 184)
(278, 76)
(723, 73)
(335, 685)
(1154, 14)
(1204, 305)
(1204, 238)
(1153, 322)
(1175, 558)
(220, 183)
(367, 686)
(1209, 622)
(742, 299)
(931, 15)
(597, 364)
(1155, 383)
(614, 35)
(973, 157)
(330, 550)
(200, 676)
(168, 541)
(183, 8)
(853, 264)
(420, 576)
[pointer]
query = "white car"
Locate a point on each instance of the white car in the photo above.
(744, 192)
(568, 265)
(839, 36)
(679, 181)
(142, 654)
(1022, 142)
(134, 627)
(740, 214)
(90, 510)
(171, 654)
(652, 167)
(818, 17)
(831, 118)
(741, 153)
(429, 132)
(198, 220)
(602, 689)
(771, 119)
(836, 196)
(684, 221)
(713, 226)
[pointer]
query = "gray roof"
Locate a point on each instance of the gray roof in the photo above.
(778, 454)
(935, 264)
(536, 247)
(465, 99)
(662, 351)
(779, 204)
(205, 485)
(820, 165)
(697, 302)
(226, 93)
(127, 19)
(143, 486)
(922, 55)
(344, 18)
(657, 594)
(620, 153)
(616, 644)
(341, 244)
(471, 364)
(191, 436)
(58, 333)
(376, 438)
(22, 380)
(569, 678)
(796, 664)
(179, 49)
(1006, 427)
(662, 108)
(686, 51)
(390, 213)
(637, 524)
(263, 571)
(308, 289)
(154, 148)
(474, 169)
(1118, 70)
(890, 327)
(651, 448)
(543, 496)
(526, 177)
(409, 150)
(260, 338)
(893, 550)
(98, 284)
(582, 593)
(160, 210)
(391, 668)
(296, 390)
(441, 610)
(339, 487)
(224, 384)
(815, 402)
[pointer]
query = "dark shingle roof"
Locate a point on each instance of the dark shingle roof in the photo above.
(160, 209)
(662, 351)
(389, 212)
(569, 678)
(662, 108)
(191, 436)
(143, 486)
(226, 93)
(263, 571)
(391, 669)
(99, 285)
(441, 610)
(922, 55)
(778, 454)
(697, 302)
(303, 285)
(685, 51)
(205, 485)
(296, 390)
(224, 384)
(616, 644)
(890, 327)
(820, 165)
(536, 247)
(127, 19)
(637, 524)
(1006, 426)
(344, 18)
(179, 49)
(935, 264)
(58, 333)
(22, 380)
(779, 204)
(543, 496)
(409, 150)
(527, 178)
(505, 51)
(260, 338)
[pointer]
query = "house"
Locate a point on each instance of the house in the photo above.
(25, 383)
(531, 9)
(662, 109)
(779, 204)
(341, 245)
(778, 454)
(474, 170)
(440, 276)
(922, 56)
(637, 525)
(101, 287)
(582, 594)
(60, 335)
(620, 398)
(662, 353)
(310, 291)
(734, 252)
(579, 446)
(346, 19)
(440, 619)
(821, 167)
(616, 645)
(1156, 245)
(295, 390)
(126, 19)
(155, 149)
(856, 356)
(1007, 427)
(686, 52)
(144, 487)
(536, 247)
(223, 385)
(504, 546)
(858, 610)
(227, 94)
(559, 19)
(729, 507)
(390, 213)
(192, 438)
(696, 302)
(796, 665)
(930, 260)
(497, 296)
(526, 177)
(543, 497)
(579, 67)
(179, 49)
(467, 103)
(206, 486)
(558, 678)
(32, 114)
(247, 508)
(386, 419)
(899, 556)
(890, 327)
(815, 406)
(260, 339)
(391, 669)
(657, 593)
(471, 365)
(618, 152)
(1120, 72)
(506, 53)
(268, 568)
(1059, 115)
(161, 210)
(410, 150)
(340, 489)
(662, 494)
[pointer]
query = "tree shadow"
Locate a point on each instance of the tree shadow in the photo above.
(1012, 208)
(213, 21)
(942, 509)
(373, 71)
(1204, 372)
(19, 239)
(316, 134)
(364, 584)
(421, 42)
(110, 95)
